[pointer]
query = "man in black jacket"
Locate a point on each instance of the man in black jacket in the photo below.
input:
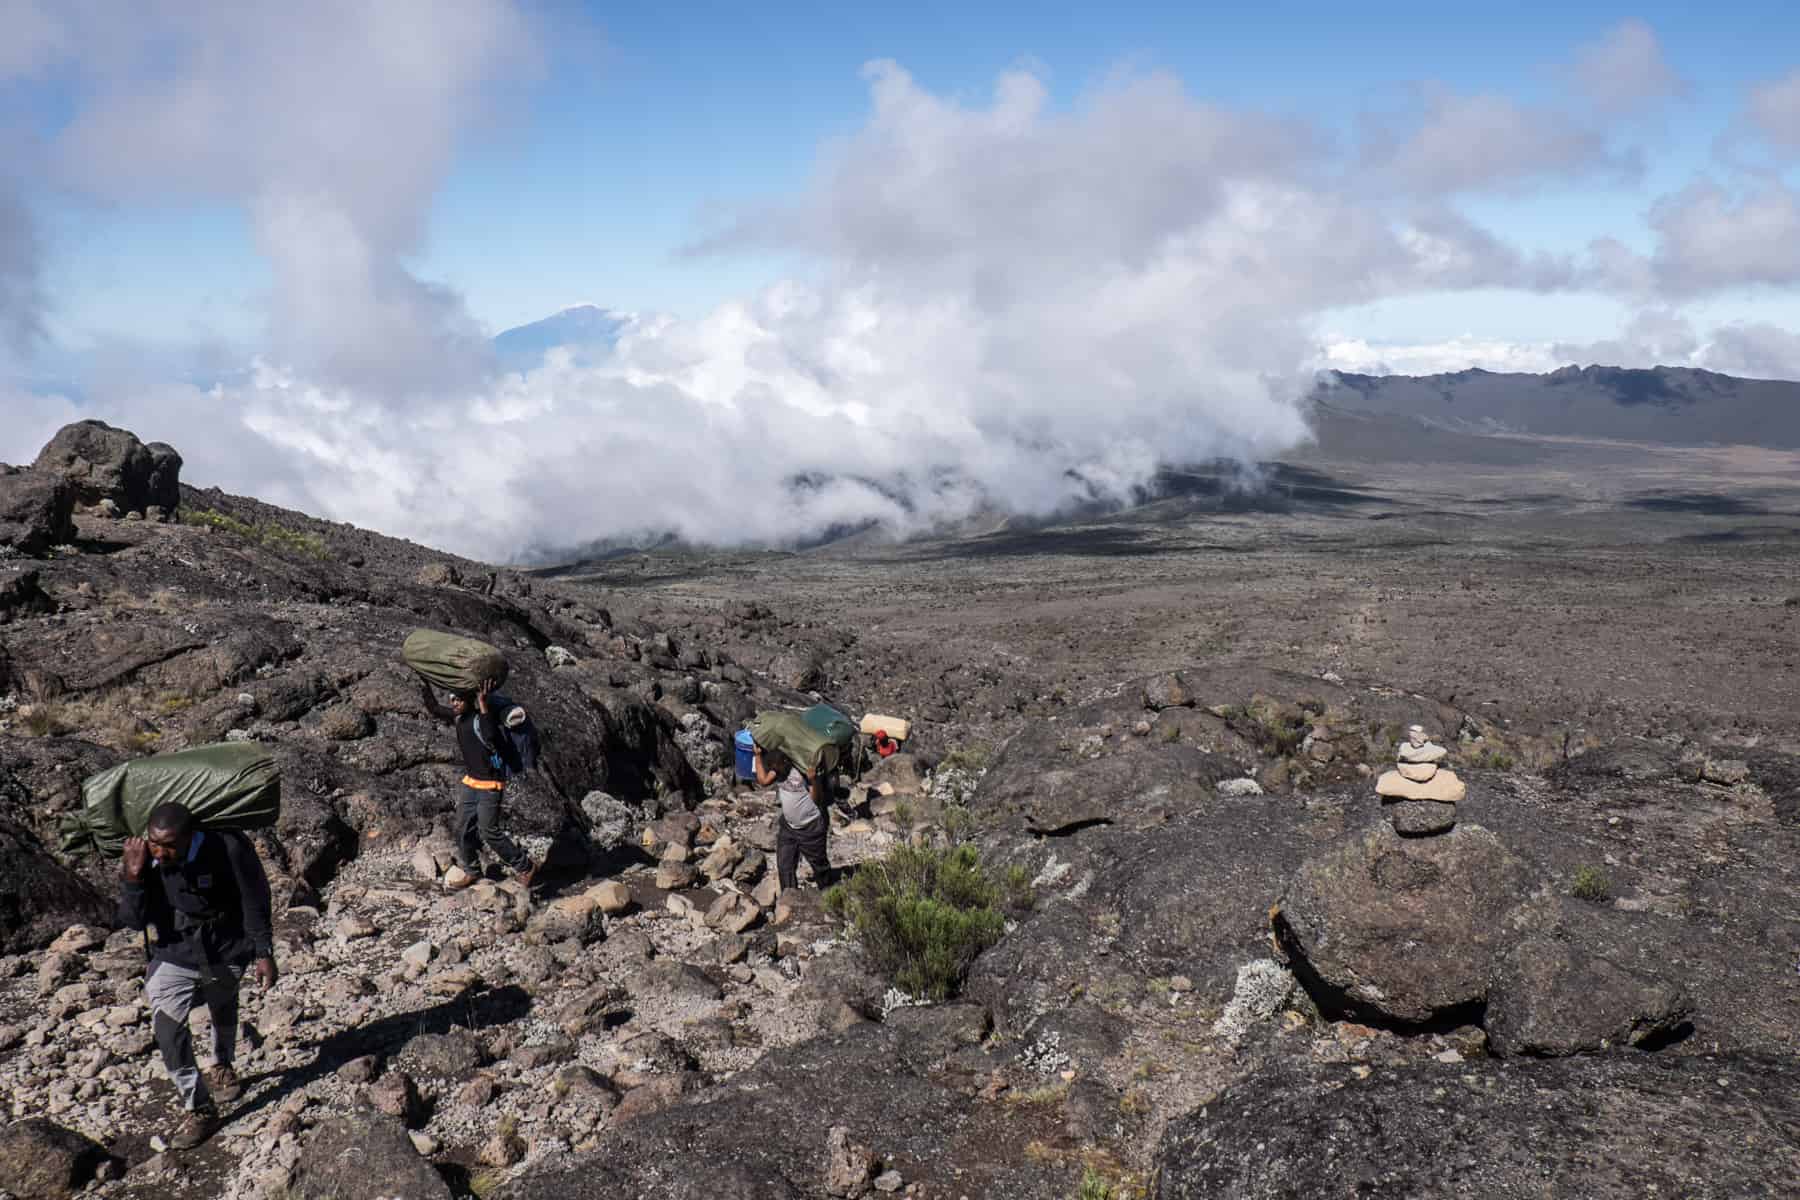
(202, 898)
(479, 738)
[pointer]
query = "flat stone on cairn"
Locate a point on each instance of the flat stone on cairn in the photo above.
(1420, 796)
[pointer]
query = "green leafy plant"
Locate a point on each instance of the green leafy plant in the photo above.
(971, 756)
(922, 914)
(270, 534)
(1591, 883)
(1095, 1186)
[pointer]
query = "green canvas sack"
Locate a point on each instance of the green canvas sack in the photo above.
(228, 785)
(820, 738)
(456, 664)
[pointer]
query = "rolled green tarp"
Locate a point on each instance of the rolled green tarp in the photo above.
(456, 664)
(802, 740)
(228, 785)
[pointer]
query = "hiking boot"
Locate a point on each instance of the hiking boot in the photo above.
(224, 1084)
(458, 877)
(529, 874)
(195, 1128)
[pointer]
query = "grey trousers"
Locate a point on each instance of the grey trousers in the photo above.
(478, 825)
(172, 991)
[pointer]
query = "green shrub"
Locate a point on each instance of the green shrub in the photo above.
(263, 533)
(1094, 1186)
(922, 914)
(971, 756)
(1591, 883)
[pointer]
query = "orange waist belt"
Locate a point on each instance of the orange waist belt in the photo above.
(483, 785)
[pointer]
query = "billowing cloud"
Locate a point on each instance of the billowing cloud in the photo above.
(1755, 349)
(1458, 143)
(1624, 71)
(1710, 238)
(21, 276)
(1652, 338)
(331, 124)
(1434, 358)
(1773, 111)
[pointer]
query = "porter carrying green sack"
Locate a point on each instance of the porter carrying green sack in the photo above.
(229, 785)
(456, 664)
(818, 739)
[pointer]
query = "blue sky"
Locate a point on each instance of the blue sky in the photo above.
(645, 121)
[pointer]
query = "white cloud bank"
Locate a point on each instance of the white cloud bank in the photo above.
(1013, 305)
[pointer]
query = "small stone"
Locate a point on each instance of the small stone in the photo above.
(505, 1149)
(673, 876)
(1417, 772)
(1421, 818)
(362, 1069)
(355, 926)
(1726, 772)
(1238, 787)
(611, 897)
(1448, 1056)
(847, 1164)
(419, 954)
(479, 1092)
(889, 1181)
(1430, 752)
(1444, 787)
(424, 862)
(424, 1143)
(558, 656)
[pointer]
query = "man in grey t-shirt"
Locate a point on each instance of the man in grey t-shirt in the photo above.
(802, 825)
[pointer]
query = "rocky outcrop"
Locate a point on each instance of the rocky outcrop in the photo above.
(36, 510)
(1584, 979)
(39, 896)
(1600, 1128)
(365, 1154)
(103, 463)
(41, 1160)
(1402, 930)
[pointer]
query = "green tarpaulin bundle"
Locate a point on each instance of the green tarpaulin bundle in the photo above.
(820, 737)
(229, 785)
(456, 664)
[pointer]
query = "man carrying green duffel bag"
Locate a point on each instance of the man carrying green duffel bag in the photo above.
(202, 898)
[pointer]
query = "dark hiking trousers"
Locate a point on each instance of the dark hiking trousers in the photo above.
(478, 825)
(791, 843)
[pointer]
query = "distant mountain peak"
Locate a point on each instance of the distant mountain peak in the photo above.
(589, 331)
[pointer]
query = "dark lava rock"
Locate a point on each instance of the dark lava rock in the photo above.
(39, 897)
(396, 1095)
(41, 1160)
(1401, 930)
(36, 511)
(1062, 795)
(762, 1134)
(103, 463)
(1587, 979)
(452, 1055)
(1421, 818)
(1612, 1127)
(21, 593)
(365, 1154)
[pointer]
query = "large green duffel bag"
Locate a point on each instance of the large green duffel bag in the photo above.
(228, 785)
(819, 738)
(456, 664)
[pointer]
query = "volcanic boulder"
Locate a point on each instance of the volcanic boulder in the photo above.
(1401, 930)
(104, 463)
(36, 511)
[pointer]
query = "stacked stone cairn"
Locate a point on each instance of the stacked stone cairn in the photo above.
(1419, 795)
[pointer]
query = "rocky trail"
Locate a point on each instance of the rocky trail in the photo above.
(1226, 968)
